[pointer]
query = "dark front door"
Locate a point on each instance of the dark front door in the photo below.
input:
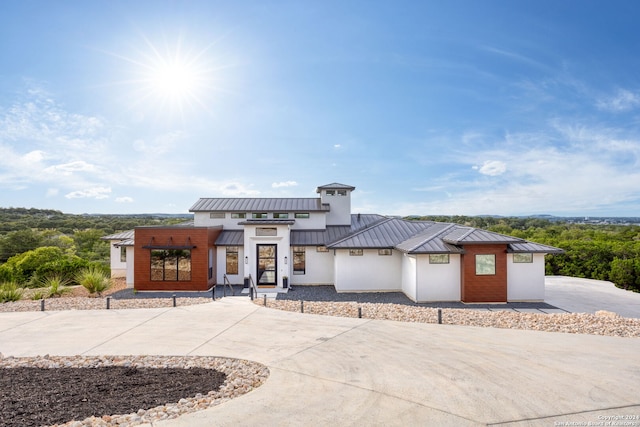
(267, 264)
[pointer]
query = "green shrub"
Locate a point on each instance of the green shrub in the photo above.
(38, 295)
(55, 285)
(9, 291)
(94, 279)
(66, 268)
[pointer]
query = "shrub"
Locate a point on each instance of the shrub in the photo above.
(94, 279)
(64, 267)
(55, 285)
(9, 291)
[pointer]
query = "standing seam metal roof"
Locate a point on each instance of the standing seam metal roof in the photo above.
(259, 205)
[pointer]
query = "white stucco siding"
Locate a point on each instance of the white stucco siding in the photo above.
(409, 273)
(221, 266)
(438, 282)
(370, 272)
(318, 268)
(118, 267)
(130, 266)
(525, 281)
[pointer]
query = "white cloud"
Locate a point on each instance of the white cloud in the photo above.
(90, 193)
(623, 100)
(52, 192)
(235, 189)
(492, 168)
(284, 184)
(71, 167)
(124, 199)
(337, 146)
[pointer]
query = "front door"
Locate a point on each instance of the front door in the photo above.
(267, 264)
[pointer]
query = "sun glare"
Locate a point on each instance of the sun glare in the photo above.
(170, 78)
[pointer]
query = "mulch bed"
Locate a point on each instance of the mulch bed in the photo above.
(40, 396)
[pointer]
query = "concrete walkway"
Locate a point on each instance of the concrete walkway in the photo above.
(329, 371)
(588, 296)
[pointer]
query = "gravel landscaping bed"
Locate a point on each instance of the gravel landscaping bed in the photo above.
(600, 323)
(117, 390)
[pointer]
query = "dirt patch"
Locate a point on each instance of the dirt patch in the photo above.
(31, 396)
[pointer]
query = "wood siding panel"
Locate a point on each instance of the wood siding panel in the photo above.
(200, 237)
(484, 288)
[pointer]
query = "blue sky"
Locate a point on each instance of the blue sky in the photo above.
(426, 107)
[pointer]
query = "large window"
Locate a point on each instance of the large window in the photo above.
(355, 252)
(301, 215)
(170, 265)
(216, 215)
(259, 215)
(238, 215)
(385, 252)
(299, 260)
(523, 258)
(438, 258)
(485, 265)
(280, 215)
(123, 254)
(232, 260)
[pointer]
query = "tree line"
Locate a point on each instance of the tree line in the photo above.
(35, 243)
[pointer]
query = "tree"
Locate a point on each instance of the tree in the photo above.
(17, 242)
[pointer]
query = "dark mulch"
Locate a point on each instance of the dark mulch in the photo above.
(37, 396)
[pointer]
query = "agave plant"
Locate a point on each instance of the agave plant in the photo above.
(9, 291)
(94, 279)
(55, 285)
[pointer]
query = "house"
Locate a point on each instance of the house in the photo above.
(278, 242)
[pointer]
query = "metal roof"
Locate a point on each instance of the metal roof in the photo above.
(120, 236)
(127, 242)
(230, 238)
(383, 234)
(259, 205)
(428, 241)
(533, 247)
(335, 186)
(470, 236)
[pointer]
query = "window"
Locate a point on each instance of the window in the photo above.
(331, 192)
(438, 258)
(170, 265)
(342, 192)
(123, 254)
(299, 260)
(322, 249)
(238, 215)
(216, 215)
(485, 265)
(301, 215)
(523, 258)
(232, 260)
(384, 252)
(281, 215)
(266, 231)
(259, 215)
(355, 252)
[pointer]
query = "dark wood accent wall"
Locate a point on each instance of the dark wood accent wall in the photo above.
(484, 288)
(203, 238)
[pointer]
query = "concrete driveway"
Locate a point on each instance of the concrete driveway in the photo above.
(588, 296)
(329, 371)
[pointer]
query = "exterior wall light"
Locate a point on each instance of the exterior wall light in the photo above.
(246, 260)
(285, 260)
